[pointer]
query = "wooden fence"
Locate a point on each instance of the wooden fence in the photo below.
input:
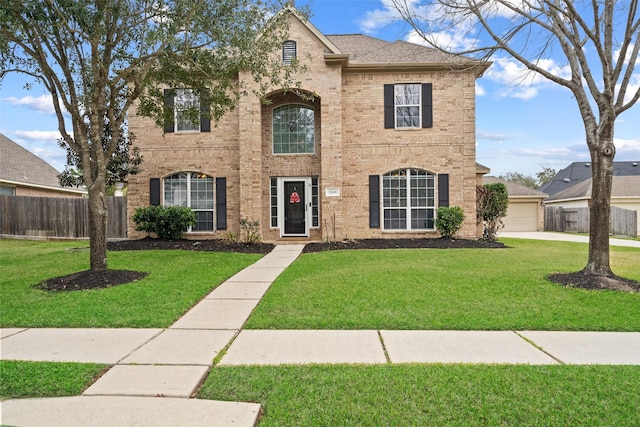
(58, 217)
(623, 222)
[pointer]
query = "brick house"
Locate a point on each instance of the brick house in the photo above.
(388, 138)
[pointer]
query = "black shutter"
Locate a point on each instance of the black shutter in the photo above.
(154, 191)
(169, 97)
(427, 105)
(221, 203)
(205, 115)
(389, 107)
(443, 190)
(374, 201)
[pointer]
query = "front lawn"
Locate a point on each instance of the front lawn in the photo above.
(433, 395)
(45, 379)
(465, 289)
(176, 281)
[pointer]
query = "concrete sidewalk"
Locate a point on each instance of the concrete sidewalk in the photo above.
(155, 371)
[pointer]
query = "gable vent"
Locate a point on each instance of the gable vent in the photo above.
(289, 49)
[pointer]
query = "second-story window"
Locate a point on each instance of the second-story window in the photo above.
(187, 111)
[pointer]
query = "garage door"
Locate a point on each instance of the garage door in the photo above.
(521, 217)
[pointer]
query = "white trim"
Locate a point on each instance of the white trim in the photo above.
(308, 207)
(42, 187)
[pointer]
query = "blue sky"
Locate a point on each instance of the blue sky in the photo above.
(520, 127)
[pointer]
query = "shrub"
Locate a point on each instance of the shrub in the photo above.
(169, 222)
(449, 220)
(492, 202)
(251, 230)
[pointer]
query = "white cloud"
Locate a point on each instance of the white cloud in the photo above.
(627, 148)
(480, 90)
(39, 135)
(492, 136)
(376, 19)
(518, 81)
(41, 104)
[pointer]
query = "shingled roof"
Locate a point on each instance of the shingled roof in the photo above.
(513, 189)
(580, 171)
(622, 186)
(19, 165)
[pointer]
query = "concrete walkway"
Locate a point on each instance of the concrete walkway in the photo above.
(156, 371)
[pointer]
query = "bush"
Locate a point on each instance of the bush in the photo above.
(492, 202)
(449, 220)
(250, 230)
(169, 222)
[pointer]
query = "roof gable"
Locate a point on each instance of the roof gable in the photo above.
(513, 189)
(622, 186)
(580, 171)
(17, 164)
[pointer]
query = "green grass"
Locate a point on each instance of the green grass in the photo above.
(433, 395)
(176, 281)
(466, 289)
(45, 379)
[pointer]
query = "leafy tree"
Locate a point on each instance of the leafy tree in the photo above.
(492, 203)
(519, 178)
(124, 161)
(98, 58)
(598, 42)
(545, 175)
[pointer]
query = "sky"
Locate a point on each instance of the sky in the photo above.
(520, 126)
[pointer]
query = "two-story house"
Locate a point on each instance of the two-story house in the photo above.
(388, 137)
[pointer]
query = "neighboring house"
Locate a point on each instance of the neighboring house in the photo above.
(581, 171)
(388, 138)
(22, 173)
(625, 194)
(525, 211)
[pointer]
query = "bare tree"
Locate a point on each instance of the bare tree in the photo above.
(98, 58)
(599, 42)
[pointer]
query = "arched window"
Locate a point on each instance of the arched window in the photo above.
(293, 130)
(193, 190)
(408, 197)
(289, 51)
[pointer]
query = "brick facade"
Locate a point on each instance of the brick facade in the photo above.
(351, 144)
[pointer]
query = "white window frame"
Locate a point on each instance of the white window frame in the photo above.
(402, 99)
(185, 99)
(273, 130)
(410, 201)
(188, 201)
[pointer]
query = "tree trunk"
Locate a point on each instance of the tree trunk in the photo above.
(97, 226)
(602, 154)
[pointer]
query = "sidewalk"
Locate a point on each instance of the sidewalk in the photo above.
(156, 371)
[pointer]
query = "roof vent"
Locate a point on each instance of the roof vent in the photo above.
(566, 180)
(587, 164)
(635, 163)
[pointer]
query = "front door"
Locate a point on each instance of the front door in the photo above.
(295, 208)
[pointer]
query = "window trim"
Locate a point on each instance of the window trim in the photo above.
(276, 186)
(273, 133)
(188, 198)
(407, 198)
(396, 106)
(177, 111)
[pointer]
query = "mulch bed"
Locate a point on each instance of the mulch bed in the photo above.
(592, 282)
(103, 279)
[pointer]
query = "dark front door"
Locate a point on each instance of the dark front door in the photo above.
(295, 213)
